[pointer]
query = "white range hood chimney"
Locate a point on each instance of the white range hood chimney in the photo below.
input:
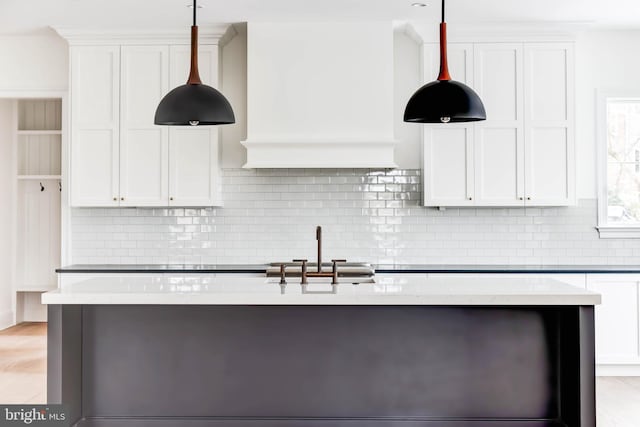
(320, 95)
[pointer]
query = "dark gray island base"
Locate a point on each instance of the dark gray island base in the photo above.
(322, 365)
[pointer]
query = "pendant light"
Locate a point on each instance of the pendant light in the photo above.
(444, 100)
(194, 103)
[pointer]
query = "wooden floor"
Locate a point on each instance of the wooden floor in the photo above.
(23, 366)
(23, 354)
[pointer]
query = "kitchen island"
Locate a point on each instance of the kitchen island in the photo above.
(404, 350)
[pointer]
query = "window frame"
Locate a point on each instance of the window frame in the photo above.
(605, 229)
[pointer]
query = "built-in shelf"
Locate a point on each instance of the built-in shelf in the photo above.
(39, 132)
(36, 289)
(38, 156)
(38, 177)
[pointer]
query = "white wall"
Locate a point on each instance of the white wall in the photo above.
(34, 63)
(604, 60)
(6, 189)
(407, 78)
(233, 84)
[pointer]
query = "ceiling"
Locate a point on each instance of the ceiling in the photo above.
(32, 16)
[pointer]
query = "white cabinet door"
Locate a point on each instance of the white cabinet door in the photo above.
(499, 141)
(448, 165)
(95, 85)
(617, 334)
(549, 140)
(448, 148)
(144, 148)
(194, 151)
(193, 167)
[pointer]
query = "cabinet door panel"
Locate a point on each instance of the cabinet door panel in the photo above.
(95, 168)
(448, 166)
(193, 167)
(550, 157)
(143, 166)
(499, 141)
(616, 318)
(498, 80)
(498, 166)
(547, 157)
(143, 145)
(193, 151)
(548, 87)
(95, 82)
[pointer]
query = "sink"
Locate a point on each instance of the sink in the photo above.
(323, 280)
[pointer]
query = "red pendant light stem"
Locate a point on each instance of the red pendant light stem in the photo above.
(194, 75)
(444, 65)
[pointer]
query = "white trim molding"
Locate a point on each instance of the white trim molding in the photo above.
(619, 232)
(502, 32)
(6, 319)
(207, 34)
(617, 370)
(609, 230)
(320, 154)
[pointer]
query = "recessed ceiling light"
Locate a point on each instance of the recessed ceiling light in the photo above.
(418, 4)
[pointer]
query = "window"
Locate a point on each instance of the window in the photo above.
(619, 171)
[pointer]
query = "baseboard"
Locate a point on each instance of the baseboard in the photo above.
(309, 422)
(6, 319)
(618, 370)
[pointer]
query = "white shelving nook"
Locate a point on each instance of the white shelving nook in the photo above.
(38, 158)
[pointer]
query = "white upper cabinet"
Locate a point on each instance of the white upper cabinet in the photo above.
(499, 141)
(144, 147)
(194, 151)
(119, 156)
(193, 181)
(549, 94)
(448, 169)
(448, 150)
(95, 107)
(523, 154)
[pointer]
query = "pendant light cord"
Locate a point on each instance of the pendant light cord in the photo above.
(194, 74)
(444, 66)
(195, 8)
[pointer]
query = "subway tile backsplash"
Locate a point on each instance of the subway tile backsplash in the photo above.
(374, 216)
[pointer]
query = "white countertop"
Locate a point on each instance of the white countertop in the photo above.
(398, 289)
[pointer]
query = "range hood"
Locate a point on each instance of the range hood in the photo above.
(320, 95)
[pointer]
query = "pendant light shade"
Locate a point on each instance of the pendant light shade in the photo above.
(444, 100)
(194, 103)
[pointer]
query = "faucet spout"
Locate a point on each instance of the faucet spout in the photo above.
(319, 239)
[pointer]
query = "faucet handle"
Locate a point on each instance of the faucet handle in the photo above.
(334, 270)
(303, 272)
(283, 274)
